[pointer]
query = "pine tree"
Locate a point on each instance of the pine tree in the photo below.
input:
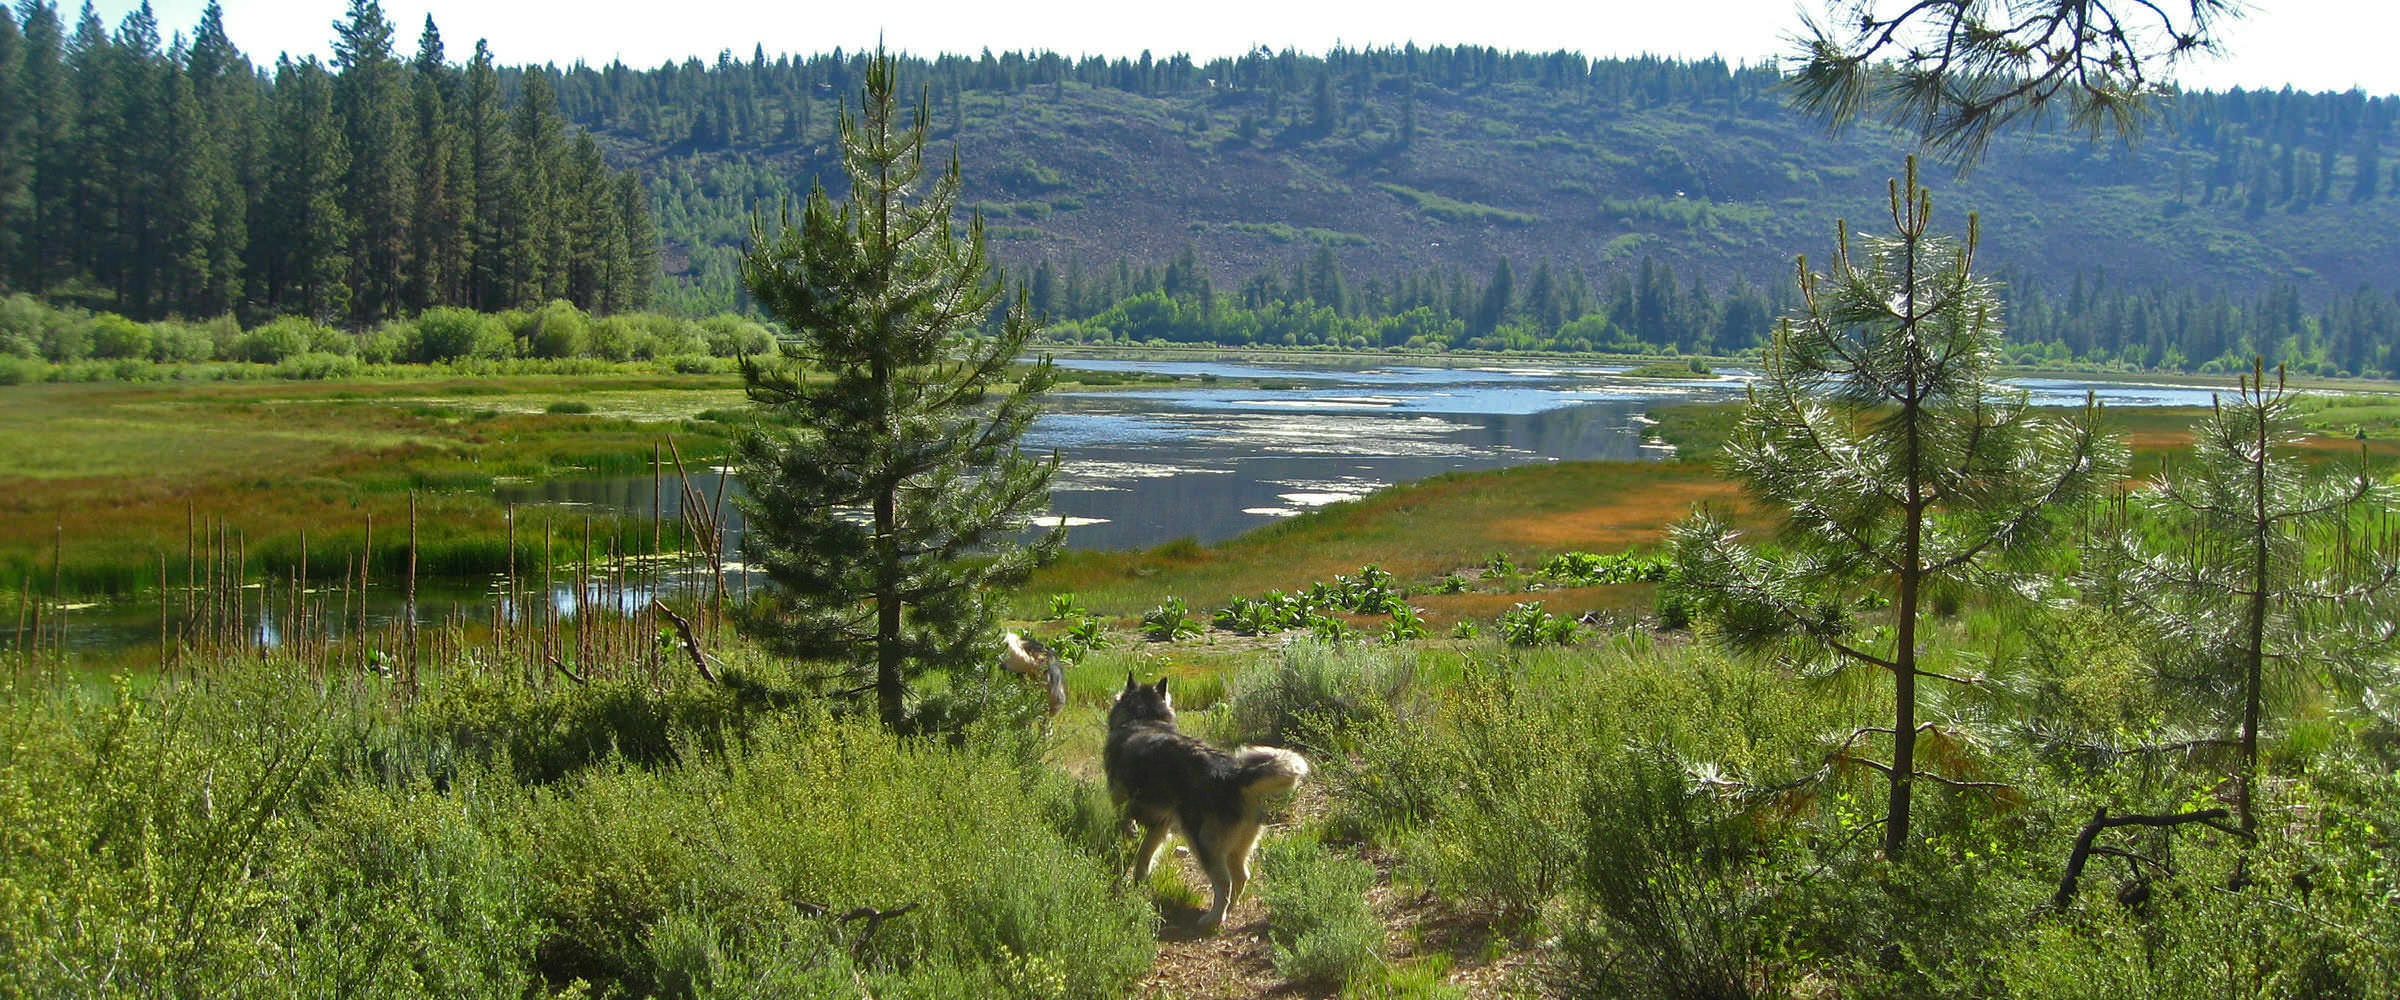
(303, 246)
(438, 221)
(1898, 464)
(2249, 561)
(637, 263)
(146, 159)
(536, 222)
(225, 95)
(16, 154)
(379, 189)
(93, 168)
(492, 176)
(886, 495)
(45, 254)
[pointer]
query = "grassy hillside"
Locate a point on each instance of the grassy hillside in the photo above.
(1716, 178)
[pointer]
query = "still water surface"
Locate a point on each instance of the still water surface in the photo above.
(1207, 461)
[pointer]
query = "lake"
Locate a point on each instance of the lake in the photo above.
(1207, 460)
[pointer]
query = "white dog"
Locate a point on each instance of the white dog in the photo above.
(1025, 655)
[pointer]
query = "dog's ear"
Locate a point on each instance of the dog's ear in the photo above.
(1162, 687)
(1131, 685)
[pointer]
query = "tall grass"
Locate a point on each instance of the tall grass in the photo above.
(259, 835)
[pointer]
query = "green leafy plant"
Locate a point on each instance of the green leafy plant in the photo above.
(1063, 607)
(1588, 569)
(1527, 624)
(1332, 630)
(1085, 635)
(1169, 621)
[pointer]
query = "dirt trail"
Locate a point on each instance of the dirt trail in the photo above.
(1238, 962)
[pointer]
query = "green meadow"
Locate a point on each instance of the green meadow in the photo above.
(1534, 777)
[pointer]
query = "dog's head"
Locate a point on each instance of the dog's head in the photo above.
(1141, 702)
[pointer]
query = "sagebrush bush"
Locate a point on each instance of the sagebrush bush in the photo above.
(1317, 915)
(1671, 912)
(269, 835)
(1303, 694)
(1501, 836)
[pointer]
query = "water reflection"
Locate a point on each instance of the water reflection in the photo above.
(1201, 460)
(1208, 460)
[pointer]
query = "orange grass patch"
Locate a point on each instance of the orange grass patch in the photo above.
(1625, 521)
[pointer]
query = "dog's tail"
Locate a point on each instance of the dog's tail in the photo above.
(1265, 772)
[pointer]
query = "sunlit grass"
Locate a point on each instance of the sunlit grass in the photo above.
(1417, 531)
(105, 478)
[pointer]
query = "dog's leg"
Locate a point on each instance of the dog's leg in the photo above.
(1209, 850)
(1152, 837)
(1240, 845)
(1121, 798)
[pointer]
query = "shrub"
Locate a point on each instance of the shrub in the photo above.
(664, 337)
(387, 343)
(449, 334)
(556, 330)
(730, 336)
(280, 338)
(568, 406)
(316, 366)
(174, 342)
(114, 337)
(59, 335)
(24, 322)
(1308, 691)
(1317, 916)
(1496, 835)
(612, 339)
(1671, 914)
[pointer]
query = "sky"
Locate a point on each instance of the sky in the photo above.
(2308, 44)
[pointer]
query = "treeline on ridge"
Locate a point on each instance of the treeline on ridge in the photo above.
(185, 181)
(1653, 310)
(1441, 136)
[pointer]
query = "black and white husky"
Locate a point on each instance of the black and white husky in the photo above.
(1164, 779)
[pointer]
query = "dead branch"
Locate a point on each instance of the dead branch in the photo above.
(1924, 775)
(579, 680)
(874, 919)
(2101, 821)
(691, 643)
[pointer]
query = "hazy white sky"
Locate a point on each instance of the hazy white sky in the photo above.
(2310, 44)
